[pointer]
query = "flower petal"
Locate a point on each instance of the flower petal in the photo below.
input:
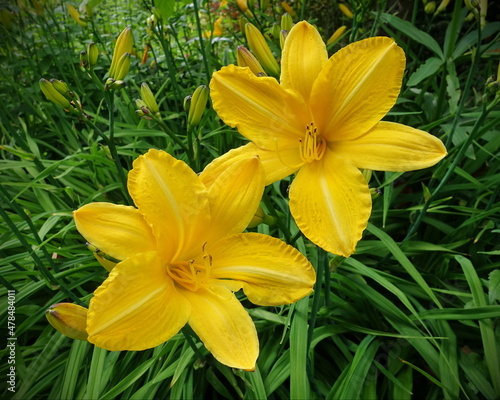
(277, 164)
(392, 147)
(224, 326)
(259, 107)
(270, 271)
(137, 307)
(331, 203)
(173, 201)
(357, 87)
(117, 230)
(234, 197)
(303, 58)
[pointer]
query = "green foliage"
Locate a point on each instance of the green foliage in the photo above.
(414, 313)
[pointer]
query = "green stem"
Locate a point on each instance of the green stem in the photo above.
(200, 38)
(451, 170)
(109, 96)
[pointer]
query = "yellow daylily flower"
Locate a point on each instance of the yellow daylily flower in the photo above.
(184, 256)
(323, 120)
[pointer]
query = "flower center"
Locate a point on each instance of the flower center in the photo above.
(313, 146)
(190, 274)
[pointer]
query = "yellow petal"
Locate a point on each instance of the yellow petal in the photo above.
(173, 201)
(234, 197)
(270, 271)
(392, 147)
(137, 307)
(117, 230)
(357, 87)
(303, 58)
(277, 165)
(258, 106)
(224, 326)
(331, 203)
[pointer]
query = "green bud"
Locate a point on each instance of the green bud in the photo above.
(245, 58)
(430, 7)
(197, 106)
(122, 67)
(53, 95)
(92, 54)
(149, 99)
(61, 87)
(283, 35)
(263, 4)
(286, 22)
(69, 319)
(187, 103)
(261, 50)
(84, 59)
(124, 44)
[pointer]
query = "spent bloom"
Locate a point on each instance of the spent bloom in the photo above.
(323, 122)
(182, 258)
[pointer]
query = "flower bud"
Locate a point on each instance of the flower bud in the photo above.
(336, 35)
(245, 58)
(261, 50)
(283, 35)
(92, 54)
(288, 8)
(261, 217)
(69, 319)
(149, 99)
(84, 59)
(442, 6)
(430, 7)
(61, 87)
(263, 4)
(54, 95)
(122, 67)
(346, 11)
(124, 44)
(242, 5)
(75, 14)
(286, 22)
(197, 106)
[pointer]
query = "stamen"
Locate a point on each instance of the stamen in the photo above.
(313, 146)
(276, 149)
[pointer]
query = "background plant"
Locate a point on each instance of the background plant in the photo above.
(414, 311)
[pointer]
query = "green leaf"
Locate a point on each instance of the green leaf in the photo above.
(494, 286)
(166, 7)
(428, 68)
(414, 33)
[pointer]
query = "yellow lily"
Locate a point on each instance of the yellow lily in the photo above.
(323, 121)
(184, 256)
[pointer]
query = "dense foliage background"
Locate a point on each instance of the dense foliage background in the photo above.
(413, 313)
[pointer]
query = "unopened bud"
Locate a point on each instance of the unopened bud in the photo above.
(245, 58)
(337, 35)
(261, 217)
(288, 8)
(92, 54)
(261, 50)
(122, 67)
(286, 22)
(442, 6)
(346, 11)
(283, 35)
(197, 106)
(75, 14)
(69, 319)
(149, 99)
(84, 59)
(54, 95)
(263, 4)
(430, 7)
(124, 44)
